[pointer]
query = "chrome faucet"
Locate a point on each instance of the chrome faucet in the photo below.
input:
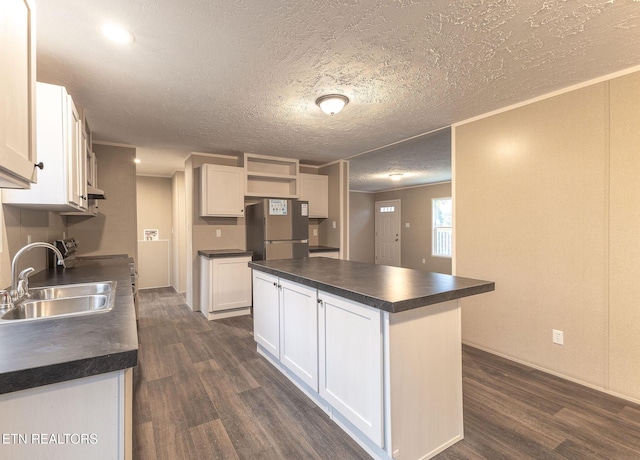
(20, 282)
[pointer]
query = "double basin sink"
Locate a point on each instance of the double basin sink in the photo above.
(64, 300)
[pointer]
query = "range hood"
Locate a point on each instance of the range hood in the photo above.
(95, 193)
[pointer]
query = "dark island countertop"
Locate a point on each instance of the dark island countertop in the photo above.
(320, 248)
(50, 350)
(392, 289)
(217, 253)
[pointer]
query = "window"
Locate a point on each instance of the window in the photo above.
(442, 218)
(387, 209)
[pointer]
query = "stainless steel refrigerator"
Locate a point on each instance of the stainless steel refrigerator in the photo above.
(278, 229)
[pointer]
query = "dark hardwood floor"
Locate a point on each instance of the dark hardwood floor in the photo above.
(201, 391)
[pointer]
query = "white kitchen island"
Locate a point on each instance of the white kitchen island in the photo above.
(377, 347)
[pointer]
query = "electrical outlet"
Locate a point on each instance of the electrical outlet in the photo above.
(333, 224)
(407, 225)
(218, 233)
(424, 261)
(28, 239)
(558, 337)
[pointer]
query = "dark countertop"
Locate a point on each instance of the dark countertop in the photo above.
(313, 249)
(392, 289)
(215, 253)
(45, 351)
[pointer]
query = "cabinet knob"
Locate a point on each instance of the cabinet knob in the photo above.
(40, 165)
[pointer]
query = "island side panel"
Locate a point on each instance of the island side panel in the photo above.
(425, 358)
(54, 421)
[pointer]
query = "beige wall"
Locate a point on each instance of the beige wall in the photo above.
(416, 240)
(362, 227)
(546, 205)
(154, 212)
(624, 237)
(16, 225)
(154, 205)
(114, 229)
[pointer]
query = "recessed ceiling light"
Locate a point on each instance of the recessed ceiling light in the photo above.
(117, 34)
(332, 103)
(395, 176)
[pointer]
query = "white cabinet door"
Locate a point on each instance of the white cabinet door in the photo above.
(314, 188)
(231, 282)
(77, 185)
(350, 361)
(266, 312)
(17, 93)
(61, 184)
(299, 331)
(221, 191)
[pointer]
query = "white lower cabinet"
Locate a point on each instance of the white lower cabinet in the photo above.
(299, 331)
(392, 381)
(285, 323)
(78, 419)
(328, 254)
(351, 374)
(331, 345)
(225, 286)
(266, 312)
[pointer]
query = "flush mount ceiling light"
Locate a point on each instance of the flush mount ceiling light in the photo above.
(395, 176)
(117, 34)
(332, 103)
(136, 160)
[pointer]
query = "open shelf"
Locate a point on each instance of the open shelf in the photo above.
(270, 176)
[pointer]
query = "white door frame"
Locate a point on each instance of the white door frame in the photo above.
(396, 224)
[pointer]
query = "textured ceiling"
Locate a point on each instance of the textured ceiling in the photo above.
(232, 76)
(422, 159)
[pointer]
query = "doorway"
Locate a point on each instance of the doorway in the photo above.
(387, 227)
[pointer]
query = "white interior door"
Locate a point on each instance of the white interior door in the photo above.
(388, 232)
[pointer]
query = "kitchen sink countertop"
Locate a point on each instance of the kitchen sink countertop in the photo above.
(50, 350)
(393, 289)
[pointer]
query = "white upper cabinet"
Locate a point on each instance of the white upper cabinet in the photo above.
(17, 93)
(62, 184)
(314, 188)
(221, 191)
